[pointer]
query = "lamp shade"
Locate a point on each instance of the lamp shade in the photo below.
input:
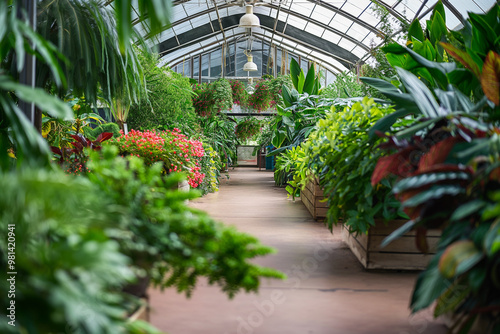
(250, 66)
(249, 20)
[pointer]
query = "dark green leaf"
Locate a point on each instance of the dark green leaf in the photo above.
(467, 209)
(422, 96)
(415, 31)
(426, 179)
(398, 233)
(433, 193)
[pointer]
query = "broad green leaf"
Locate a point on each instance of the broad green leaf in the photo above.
(415, 128)
(295, 72)
(310, 81)
(422, 96)
(433, 193)
(123, 14)
(423, 180)
(48, 103)
(452, 298)
(479, 22)
(430, 285)
(438, 28)
(385, 123)
(467, 209)
(379, 84)
(415, 31)
(301, 82)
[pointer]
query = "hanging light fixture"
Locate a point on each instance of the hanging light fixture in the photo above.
(249, 20)
(249, 66)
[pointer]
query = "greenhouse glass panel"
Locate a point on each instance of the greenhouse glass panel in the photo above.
(205, 60)
(215, 63)
(196, 67)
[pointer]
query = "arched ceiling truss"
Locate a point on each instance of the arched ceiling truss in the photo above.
(338, 33)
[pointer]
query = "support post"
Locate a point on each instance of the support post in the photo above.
(27, 75)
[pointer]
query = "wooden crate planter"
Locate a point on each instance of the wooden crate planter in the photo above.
(142, 313)
(312, 197)
(401, 254)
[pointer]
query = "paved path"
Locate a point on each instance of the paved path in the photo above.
(327, 291)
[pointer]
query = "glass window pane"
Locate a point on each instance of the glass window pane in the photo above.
(204, 64)
(196, 67)
(215, 63)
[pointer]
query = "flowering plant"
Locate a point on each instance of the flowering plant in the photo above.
(261, 98)
(210, 166)
(177, 152)
(267, 93)
(240, 95)
(212, 98)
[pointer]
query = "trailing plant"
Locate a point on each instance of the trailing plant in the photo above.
(210, 99)
(447, 163)
(262, 96)
(86, 34)
(176, 152)
(240, 94)
(247, 129)
(173, 242)
(276, 88)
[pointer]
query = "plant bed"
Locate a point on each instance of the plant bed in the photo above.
(401, 254)
(313, 198)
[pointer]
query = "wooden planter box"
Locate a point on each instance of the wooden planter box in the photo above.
(142, 313)
(312, 197)
(401, 254)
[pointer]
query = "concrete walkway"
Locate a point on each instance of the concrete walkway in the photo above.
(327, 291)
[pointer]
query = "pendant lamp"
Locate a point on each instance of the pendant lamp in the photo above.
(249, 20)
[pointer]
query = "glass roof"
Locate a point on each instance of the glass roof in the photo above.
(336, 34)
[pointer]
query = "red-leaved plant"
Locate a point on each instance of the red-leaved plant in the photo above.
(74, 160)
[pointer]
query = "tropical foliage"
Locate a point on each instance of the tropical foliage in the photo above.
(341, 155)
(168, 103)
(447, 162)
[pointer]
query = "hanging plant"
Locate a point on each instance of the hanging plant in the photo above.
(261, 97)
(212, 98)
(240, 95)
(248, 128)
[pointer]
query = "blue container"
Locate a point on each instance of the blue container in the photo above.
(270, 160)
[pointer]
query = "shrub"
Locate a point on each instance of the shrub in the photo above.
(173, 243)
(106, 127)
(168, 103)
(211, 166)
(175, 150)
(340, 153)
